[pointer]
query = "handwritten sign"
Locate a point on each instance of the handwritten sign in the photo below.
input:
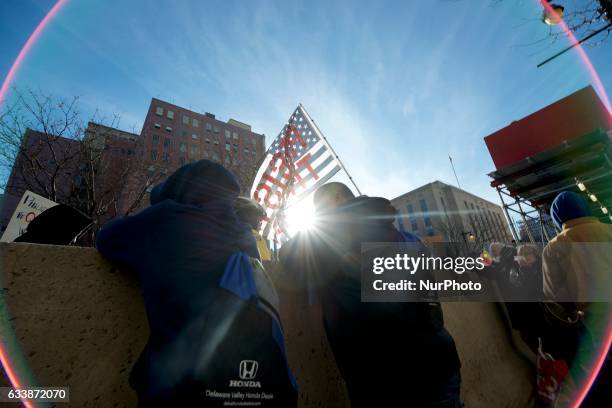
(29, 207)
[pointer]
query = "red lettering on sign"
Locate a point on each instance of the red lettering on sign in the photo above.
(305, 162)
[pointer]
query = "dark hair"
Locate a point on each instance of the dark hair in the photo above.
(249, 211)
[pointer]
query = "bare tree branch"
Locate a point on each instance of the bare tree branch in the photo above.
(47, 148)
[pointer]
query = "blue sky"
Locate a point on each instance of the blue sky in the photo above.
(395, 86)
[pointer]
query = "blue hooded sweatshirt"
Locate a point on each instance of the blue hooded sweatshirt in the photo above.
(179, 247)
(568, 206)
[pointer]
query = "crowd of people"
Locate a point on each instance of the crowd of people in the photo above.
(565, 287)
(215, 331)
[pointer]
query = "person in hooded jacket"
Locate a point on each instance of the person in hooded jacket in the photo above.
(576, 267)
(389, 354)
(251, 212)
(574, 271)
(180, 247)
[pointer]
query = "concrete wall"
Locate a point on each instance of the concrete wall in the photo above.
(80, 322)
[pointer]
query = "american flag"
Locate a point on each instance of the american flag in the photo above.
(299, 161)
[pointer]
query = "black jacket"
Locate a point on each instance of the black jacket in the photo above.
(180, 246)
(388, 353)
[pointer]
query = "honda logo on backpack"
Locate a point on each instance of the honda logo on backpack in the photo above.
(247, 372)
(248, 369)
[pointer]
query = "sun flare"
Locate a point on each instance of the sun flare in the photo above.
(301, 216)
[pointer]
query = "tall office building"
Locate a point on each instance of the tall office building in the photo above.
(126, 165)
(441, 212)
(173, 136)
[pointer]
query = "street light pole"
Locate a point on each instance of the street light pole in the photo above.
(594, 33)
(470, 236)
(553, 14)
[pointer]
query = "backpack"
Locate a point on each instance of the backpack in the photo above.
(240, 357)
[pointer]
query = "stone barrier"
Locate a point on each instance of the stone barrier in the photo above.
(78, 321)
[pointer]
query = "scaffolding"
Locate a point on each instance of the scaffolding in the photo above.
(527, 188)
(527, 222)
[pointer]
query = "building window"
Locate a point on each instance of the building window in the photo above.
(494, 225)
(228, 134)
(157, 126)
(482, 221)
(227, 146)
(216, 142)
(215, 156)
(208, 127)
(194, 150)
(155, 139)
(207, 140)
(167, 142)
(185, 120)
(168, 129)
(475, 220)
(205, 155)
(194, 136)
(227, 160)
(412, 218)
(426, 218)
(182, 147)
(153, 155)
(423, 205)
(235, 135)
(246, 150)
(165, 157)
(170, 114)
(195, 123)
(215, 129)
(159, 111)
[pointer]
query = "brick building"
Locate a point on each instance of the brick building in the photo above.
(114, 157)
(172, 136)
(126, 165)
(44, 164)
(81, 173)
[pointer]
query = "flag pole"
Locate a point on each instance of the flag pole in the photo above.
(330, 147)
(453, 166)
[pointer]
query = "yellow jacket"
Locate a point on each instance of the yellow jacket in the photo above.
(262, 246)
(577, 263)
